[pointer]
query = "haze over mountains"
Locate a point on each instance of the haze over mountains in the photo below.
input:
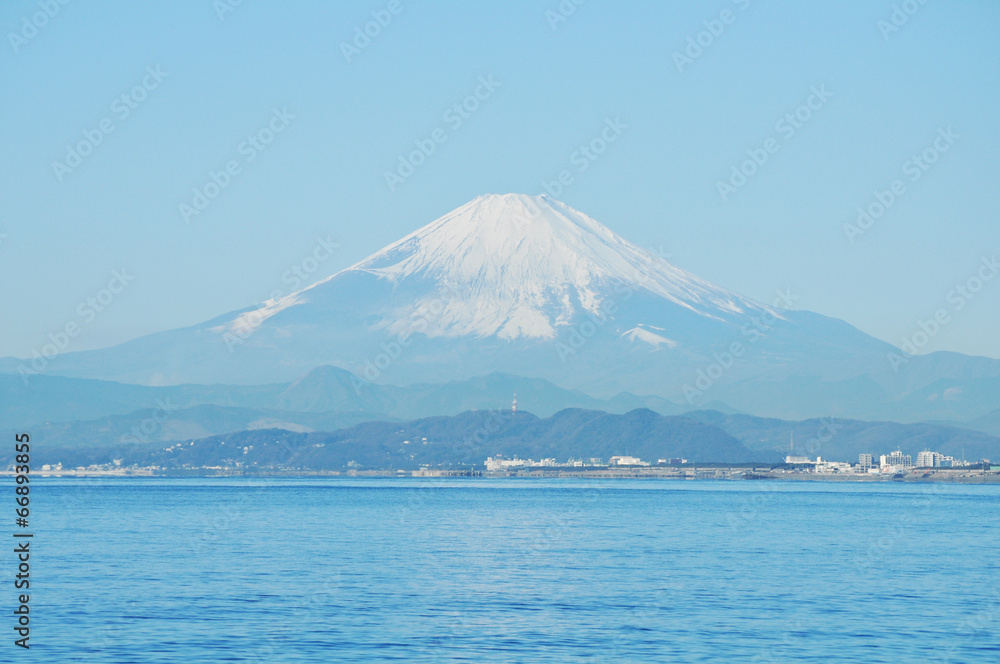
(529, 288)
(461, 441)
(97, 420)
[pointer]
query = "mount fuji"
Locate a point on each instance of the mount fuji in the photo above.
(529, 286)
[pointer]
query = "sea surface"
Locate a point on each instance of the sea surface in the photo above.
(480, 570)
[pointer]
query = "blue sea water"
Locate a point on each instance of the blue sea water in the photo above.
(411, 570)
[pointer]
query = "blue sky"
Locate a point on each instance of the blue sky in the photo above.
(887, 96)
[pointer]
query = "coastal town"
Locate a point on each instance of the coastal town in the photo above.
(929, 466)
(894, 466)
(887, 464)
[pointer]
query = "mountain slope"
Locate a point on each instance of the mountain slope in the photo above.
(990, 423)
(153, 425)
(522, 266)
(72, 411)
(528, 286)
(844, 439)
(463, 440)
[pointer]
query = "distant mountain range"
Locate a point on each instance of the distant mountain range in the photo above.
(65, 414)
(324, 390)
(990, 423)
(460, 441)
(530, 287)
(199, 436)
(843, 440)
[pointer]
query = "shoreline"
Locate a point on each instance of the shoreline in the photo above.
(732, 473)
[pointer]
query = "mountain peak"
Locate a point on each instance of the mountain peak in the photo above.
(513, 265)
(529, 286)
(495, 229)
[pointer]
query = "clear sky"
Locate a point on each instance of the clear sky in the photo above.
(218, 77)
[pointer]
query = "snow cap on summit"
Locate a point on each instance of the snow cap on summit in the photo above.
(512, 266)
(522, 265)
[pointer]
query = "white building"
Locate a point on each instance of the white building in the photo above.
(928, 459)
(833, 466)
(627, 461)
(896, 459)
(499, 463)
(866, 461)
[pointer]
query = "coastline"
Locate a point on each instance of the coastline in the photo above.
(734, 473)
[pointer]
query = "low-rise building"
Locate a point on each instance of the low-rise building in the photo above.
(833, 466)
(627, 461)
(499, 463)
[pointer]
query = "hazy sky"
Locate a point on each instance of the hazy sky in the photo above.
(199, 83)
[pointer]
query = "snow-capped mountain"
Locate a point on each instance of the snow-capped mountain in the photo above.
(529, 286)
(512, 267)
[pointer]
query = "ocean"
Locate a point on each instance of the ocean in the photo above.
(525, 570)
